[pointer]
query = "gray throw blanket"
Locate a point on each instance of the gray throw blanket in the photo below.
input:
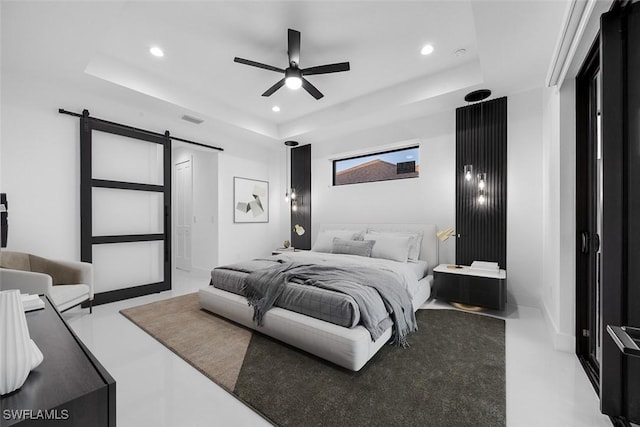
(365, 285)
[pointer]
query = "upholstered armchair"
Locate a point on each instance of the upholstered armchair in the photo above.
(67, 283)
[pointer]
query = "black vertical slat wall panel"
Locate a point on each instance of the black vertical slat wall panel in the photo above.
(481, 141)
(301, 181)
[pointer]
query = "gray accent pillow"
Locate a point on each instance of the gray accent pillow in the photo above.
(324, 240)
(352, 247)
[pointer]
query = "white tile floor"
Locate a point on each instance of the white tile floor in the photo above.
(155, 387)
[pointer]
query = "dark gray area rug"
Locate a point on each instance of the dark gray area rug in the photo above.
(452, 375)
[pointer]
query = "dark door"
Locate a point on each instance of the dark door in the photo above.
(125, 208)
(589, 215)
(620, 68)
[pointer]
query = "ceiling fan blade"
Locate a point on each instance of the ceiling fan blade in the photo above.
(257, 64)
(311, 89)
(294, 46)
(325, 69)
(274, 88)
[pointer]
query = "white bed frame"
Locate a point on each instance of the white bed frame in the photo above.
(350, 348)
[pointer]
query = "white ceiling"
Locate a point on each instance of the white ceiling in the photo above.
(509, 46)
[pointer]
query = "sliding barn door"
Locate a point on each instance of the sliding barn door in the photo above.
(125, 206)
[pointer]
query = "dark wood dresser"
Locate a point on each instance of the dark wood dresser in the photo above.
(69, 388)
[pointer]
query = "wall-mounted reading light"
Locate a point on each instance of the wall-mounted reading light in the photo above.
(444, 235)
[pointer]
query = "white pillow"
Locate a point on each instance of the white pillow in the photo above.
(390, 246)
(415, 243)
(324, 241)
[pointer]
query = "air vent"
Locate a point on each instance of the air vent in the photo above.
(192, 119)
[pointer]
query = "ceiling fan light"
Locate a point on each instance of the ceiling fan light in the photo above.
(293, 82)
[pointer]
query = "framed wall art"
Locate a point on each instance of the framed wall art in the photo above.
(250, 200)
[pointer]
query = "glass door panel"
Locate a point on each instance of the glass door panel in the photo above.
(123, 265)
(117, 211)
(119, 158)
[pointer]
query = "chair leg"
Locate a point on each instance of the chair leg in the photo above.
(90, 306)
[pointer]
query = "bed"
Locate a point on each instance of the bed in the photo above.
(349, 347)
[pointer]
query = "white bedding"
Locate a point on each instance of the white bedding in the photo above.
(410, 272)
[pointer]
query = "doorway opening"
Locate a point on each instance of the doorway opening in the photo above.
(195, 210)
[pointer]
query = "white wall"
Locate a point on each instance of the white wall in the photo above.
(40, 166)
(550, 201)
(559, 214)
(524, 197)
(239, 242)
(429, 199)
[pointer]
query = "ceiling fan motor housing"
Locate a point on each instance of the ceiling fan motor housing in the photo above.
(292, 72)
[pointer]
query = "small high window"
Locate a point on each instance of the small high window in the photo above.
(382, 166)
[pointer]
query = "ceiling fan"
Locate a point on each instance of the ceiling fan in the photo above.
(293, 74)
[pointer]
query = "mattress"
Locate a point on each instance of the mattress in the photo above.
(334, 307)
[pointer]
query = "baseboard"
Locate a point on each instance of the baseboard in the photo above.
(560, 341)
(524, 300)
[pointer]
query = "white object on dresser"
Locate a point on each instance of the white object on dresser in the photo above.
(484, 265)
(19, 353)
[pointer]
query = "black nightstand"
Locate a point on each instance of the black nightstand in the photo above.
(284, 251)
(470, 286)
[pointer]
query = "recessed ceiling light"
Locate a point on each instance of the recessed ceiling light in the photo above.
(275, 108)
(427, 49)
(156, 51)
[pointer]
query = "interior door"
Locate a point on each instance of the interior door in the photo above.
(620, 67)
(589, 215)
(184, 217)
